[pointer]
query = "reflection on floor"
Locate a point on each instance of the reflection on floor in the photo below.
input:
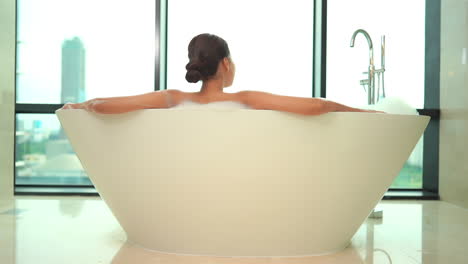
(83, 230)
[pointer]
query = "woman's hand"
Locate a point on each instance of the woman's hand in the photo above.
(72, 106)
(88, 105)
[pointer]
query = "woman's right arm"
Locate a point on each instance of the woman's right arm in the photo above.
(123, 104)
(298, 105)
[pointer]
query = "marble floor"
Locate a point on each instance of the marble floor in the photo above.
(82, 230)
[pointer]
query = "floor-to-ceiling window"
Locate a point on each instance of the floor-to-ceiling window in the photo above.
(71, 51)
(79, 50)
(270, 42)
(403, 25)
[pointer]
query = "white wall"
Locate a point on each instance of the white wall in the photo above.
(7, 79)
(453, 169)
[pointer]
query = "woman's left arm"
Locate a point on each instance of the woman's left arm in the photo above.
(122, 104)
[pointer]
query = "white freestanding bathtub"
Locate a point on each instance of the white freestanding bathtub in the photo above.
(241, 182)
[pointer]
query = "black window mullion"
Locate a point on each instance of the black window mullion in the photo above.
(432, 96)
(37, 108)
(157, 57)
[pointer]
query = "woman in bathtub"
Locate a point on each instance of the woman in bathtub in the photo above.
(210, 62)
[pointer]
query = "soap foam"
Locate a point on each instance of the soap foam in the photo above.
(393, 105)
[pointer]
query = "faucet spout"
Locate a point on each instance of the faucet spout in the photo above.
(369, 42)
(371, 70)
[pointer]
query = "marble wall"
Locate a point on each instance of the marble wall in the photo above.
(453, 166)
(7, 95)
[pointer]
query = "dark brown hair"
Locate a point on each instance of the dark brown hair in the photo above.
(205, 51)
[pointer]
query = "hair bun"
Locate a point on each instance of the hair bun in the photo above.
(193, 76)
(205, 51)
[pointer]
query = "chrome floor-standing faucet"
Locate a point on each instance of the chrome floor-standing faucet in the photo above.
(372, 96)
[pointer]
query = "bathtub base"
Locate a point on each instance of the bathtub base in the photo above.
(331, 252)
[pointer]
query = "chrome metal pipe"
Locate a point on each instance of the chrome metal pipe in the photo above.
(382, 63)
(371, 71)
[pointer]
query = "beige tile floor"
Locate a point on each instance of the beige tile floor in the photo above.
(82, 230)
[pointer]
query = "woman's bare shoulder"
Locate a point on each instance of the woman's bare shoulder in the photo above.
(249, 97)
(270, 101)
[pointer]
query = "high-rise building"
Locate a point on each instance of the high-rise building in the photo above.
(73, 71)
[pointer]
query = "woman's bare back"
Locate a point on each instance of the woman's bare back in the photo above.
(178, 97)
